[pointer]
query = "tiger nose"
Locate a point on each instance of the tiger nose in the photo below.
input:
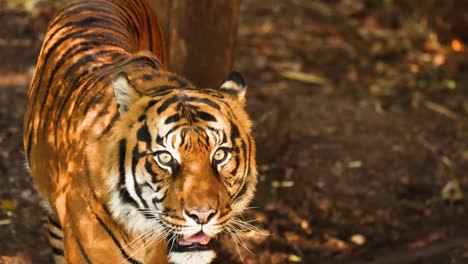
(201, 216)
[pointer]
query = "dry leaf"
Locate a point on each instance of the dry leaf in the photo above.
(304, 77)
(355, 164)
(294, 258)
(5, 222)
(452, 191)
(8, 204)
(457, 45)
(358, 239)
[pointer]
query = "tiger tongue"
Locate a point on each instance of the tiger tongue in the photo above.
(200, 238)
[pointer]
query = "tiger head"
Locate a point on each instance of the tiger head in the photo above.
(183, 162)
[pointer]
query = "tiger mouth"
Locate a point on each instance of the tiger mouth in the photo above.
(198, 242)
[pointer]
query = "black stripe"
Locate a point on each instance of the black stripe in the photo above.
(234, 171)
(234, 132)
(178, 218)
(54, 223)
(53, 235)
(207, 140)
(166, 88)
(86, 23)
(205, 101)
(245, 150)
(167, 103)
(117, 243)
(221, 215)
(122, 153)
(220, 223)
(57, 251)
(160, 141)
(150, 104)
(83, 252)
(126, 198)
(109, 126)
(157, 92)
(95, 100)
(149, 169)
(144, 135)
(29, 139)
(88, 177)
(174, 128)
(146, 184)
(240, 193)
(106, 210)
(156, 200)
(206, 116)
(141, 118)
(225, 139)
(183, 134)
(124, 194)
(172, 119)
(135, 158)
(232, 92)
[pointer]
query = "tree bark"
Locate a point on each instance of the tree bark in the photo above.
(201, 35)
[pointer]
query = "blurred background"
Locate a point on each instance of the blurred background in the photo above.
(360, 111)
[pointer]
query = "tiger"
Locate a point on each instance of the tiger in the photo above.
(135, 163)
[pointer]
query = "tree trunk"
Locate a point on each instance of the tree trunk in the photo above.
(200, 36)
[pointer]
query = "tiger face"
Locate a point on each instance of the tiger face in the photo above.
(185, 167)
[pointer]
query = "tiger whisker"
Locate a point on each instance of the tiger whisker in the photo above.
(154, 238)
(237, 199)
(246, 221)
(242, 243)
(139, 238)
(244, 227)
(251, 207)
(237, 246)
(234, 232)
(247, 225)
(136, 251)
(173, 238)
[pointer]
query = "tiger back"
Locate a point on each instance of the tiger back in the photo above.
(136, 164)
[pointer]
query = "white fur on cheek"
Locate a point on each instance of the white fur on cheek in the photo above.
(192, 257)
(130, 217)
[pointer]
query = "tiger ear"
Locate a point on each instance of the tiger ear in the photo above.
(124, 92)
(235, 86)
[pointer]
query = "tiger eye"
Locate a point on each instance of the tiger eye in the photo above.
(164, 157)
(219, 155)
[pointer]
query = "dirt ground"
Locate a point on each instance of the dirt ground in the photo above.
(360, 114)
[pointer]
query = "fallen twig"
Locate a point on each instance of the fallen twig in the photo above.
(441, 110)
